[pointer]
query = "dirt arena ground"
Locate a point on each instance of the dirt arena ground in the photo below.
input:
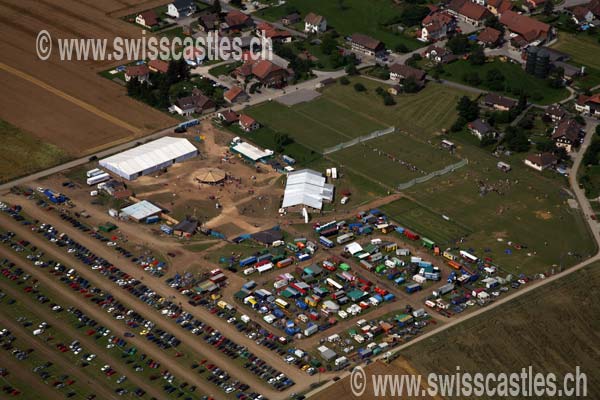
(67, 103)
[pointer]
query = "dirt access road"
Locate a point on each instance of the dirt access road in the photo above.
(87, 342)
(74, 107)
(187, 338)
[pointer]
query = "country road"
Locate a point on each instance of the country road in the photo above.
(587, 212)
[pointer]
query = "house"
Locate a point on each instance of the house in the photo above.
(395, 90)
(527, 28)
(139, 72)
(197, 103)
(489, 37)
(228, 117)
(186, 228)
(159, 66)
(594, 7)
(533, 4)
(235, 95)
(567, 134)
(498, 7)
(439, 55)
(481, 129)
(208, 22)
(588, 105)
(266, 72)
(437, 26)
(290, 19)
(582, 15)
(236, 20)
(267, 31)
(555, 112)
(147, 19)
(541, 161)
(181, 8)
(314, 23)
(469, 12)
(366, 45)
(570, 71)
(247, 123)
(498, 102)
(399, 73)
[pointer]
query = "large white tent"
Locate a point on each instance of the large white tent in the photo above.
(149, 157)
(307, 188)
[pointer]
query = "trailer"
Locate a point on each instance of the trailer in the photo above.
(94, 172)
(284, 263)
(326, 242)
(455, 265)
(445, 289)
(468, 256)
(264, 268)
(345, 238)
(333, 283)
(428, 243)
(248, 261)
(412, 288)
(410, 235)
(97, 179)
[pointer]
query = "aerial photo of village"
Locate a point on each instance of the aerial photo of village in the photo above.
(299, 199)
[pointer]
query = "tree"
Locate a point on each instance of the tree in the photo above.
(236, 3)
(216, 7)
(597, 129)
(351, 69)
(468, 109)
(516, 140)
(281, 141)
(494, 79)
(401, 48)
(494, 22)
(344, 81)
(458, 44)
(413, 15)
(472, 78)
(545, 146)
(388, 100)
(328, 44)
(413, 60)
(477, 56)
(548, 8)
(359, 87)
(410, 85)
(458, 125)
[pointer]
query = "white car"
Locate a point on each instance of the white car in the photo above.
(105, 368)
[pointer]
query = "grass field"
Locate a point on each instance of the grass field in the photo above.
(350, 16)
(553, 328)
(24, 154)
(515, 79)
(382, 158)
(522, 207)
(425, 221)
(583, 48)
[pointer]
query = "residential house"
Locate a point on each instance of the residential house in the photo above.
(139, 72)
(236, 20)
(555, 112)
(186, 228)
(582, 15)
(481, 129)
(498, 7)
(267, 31)
(208, 22)
(159, 66)
(439, 55)
(437, 26)
(181, 8)
(589, 105)
(228, 117)
(469, 12)
(314, 23)
(399, 73)
(197, 103)
(567, 134)
(489, 37)
(594, 7)
(541, 161)
(147, 19)
(366, 45)
(265, 72)
(247, 123)
(498, 102)
(290, 19)
(235, 95)
(526, 28)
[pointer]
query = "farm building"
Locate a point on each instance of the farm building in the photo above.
(140, 211)
(149, 157)
(250, 152)
(306, 188)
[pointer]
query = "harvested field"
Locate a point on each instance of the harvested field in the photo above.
(74, 108)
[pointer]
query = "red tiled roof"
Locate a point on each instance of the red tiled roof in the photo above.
(230, 116)
(474, 11)
(313, 19)
(232, 93)
(489, 35)
(582, 99)
(531, 29)
(543, 159)
(150, 17)
(137, 70)
(235, 18)
(407, 71)
(580, 12)
(263, 68)
(246, 120)
(366, 41)
(568, 128)
(439, 18)
(159, 65)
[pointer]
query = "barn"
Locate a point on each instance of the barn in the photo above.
(149, 157)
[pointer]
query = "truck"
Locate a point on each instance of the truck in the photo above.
(288, 160)
(428, 243)
(345, 238)
(97, 179)
(248, 261)
(412, 288)
(284, 263)
(445, 289)
(326, 242)
(94, 172)
(311, 330)
(410, 235)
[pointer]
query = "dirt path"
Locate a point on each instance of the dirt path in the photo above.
(51, 355)
(57, 323)
(116, 327)
(187, 338)
(16, 369)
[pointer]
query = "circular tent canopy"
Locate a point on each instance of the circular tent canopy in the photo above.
(210, 175)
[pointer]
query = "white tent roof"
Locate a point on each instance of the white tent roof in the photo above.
(306, 187)
(148, 155)
(353, 248)
(141, 210)
(252, 152)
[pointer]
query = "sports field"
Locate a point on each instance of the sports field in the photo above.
(428, 223)
(394, 158)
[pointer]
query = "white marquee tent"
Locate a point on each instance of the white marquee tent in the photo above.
(149, 157)
(308, 188)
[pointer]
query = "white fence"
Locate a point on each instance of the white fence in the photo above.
(440, 172)
(372, 135)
